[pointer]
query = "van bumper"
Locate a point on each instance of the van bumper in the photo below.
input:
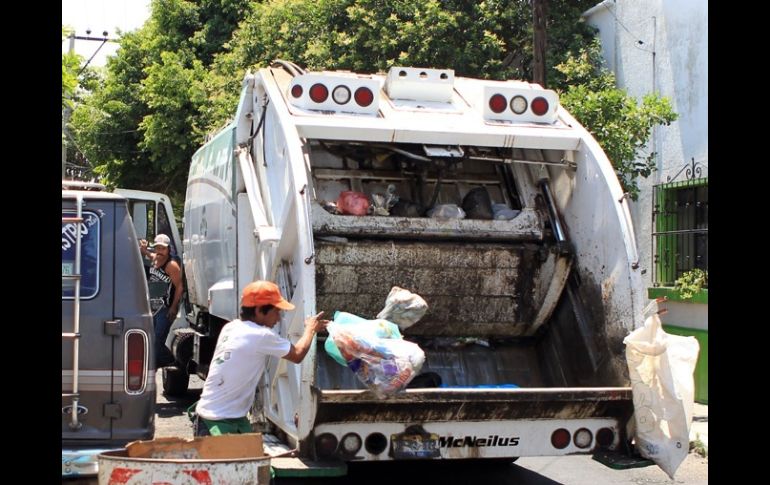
(81, 462)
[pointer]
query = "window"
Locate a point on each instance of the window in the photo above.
(90, 230)
(164, 226)
(680, 218)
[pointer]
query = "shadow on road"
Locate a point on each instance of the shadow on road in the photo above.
(465, 472)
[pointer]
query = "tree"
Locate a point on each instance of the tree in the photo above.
(141, 123)
(70, 63)
(179, 76)
(619, 123)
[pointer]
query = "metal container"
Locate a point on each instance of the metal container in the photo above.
(117, 468)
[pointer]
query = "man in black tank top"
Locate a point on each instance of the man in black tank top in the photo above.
(163, 269)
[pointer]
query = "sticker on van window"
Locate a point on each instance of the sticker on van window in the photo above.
(90, 229)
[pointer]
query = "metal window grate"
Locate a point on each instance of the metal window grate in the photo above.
(680, 238)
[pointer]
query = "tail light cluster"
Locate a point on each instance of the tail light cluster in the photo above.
(323, 92)
(582, 438)
(135, 369)
(522, 104)
(327, 445)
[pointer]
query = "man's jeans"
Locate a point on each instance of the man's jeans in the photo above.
(163, 356)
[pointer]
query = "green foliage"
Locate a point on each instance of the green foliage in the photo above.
(70, 64)
(179, 76)
(697, 446)
(620, 124)
(143, 121)
(691, 282)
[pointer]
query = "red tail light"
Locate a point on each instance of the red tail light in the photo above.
(296, 90)
(560, 438)
(136, 360)
(326, 445)
(319, 93)
(363, 96)
(497, 103)
(539, 106)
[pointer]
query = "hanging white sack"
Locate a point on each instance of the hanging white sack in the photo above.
(661, 368)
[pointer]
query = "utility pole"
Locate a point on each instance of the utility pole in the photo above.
(67, 110)
(539, 11)
(65, 118)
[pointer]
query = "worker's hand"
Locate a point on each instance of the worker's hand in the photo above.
(316, 322)
(143, 246)
(172, 314)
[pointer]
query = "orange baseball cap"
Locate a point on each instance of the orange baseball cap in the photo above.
(261, 293)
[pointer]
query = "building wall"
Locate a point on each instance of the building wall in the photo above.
(676, 32)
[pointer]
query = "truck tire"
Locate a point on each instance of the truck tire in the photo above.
(175, 381)
(182, 346)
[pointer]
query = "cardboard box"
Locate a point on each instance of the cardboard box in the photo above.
(228, 446)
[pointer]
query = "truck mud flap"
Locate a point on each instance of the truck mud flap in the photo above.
(618, 460)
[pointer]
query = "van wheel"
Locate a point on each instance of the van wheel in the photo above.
(175, 381)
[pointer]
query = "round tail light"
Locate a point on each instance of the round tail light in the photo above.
(518, 104)
(605, 437)
(326, 445)
(560, 438)
(497, 103)
(539, 106)
(341, 94)
(583, 438)
(318, 93)
(376, 443)
(296, 90)
(350, 443)
(364, 97)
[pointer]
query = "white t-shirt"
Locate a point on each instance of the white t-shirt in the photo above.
(238, 363)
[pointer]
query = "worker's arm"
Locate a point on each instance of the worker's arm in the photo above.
(313, 325)
(174, 272)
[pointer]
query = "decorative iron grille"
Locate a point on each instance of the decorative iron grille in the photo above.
(680, 221)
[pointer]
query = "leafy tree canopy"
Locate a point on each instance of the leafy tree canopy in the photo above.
(179, 76)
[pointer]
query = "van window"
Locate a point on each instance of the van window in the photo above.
(89, 256)
(164, 226)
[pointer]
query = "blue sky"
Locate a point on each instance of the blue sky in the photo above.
(98, 16)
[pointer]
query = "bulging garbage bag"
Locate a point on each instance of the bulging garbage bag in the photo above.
(403, 307)
(661, 369)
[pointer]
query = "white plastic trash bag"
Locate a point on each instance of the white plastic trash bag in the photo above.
(403, 307)
(385, 365)
(661, 369)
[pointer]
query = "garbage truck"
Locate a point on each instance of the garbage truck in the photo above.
(509, 222)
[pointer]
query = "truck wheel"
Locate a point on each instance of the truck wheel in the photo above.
(175, 381)
(182, 346)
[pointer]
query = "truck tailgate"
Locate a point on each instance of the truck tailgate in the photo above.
(447, 404)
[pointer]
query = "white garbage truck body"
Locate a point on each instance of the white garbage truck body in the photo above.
(526, 314)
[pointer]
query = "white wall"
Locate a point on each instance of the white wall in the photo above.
(677, 32)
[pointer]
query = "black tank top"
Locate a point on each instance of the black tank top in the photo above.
(160, 275)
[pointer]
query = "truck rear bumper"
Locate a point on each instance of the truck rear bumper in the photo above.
(475, 423)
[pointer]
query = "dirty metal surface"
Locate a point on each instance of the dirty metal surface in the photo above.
(527, 226)
(425, 405)
(472, 288)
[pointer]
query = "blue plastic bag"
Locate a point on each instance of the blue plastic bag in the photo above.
(379, 328)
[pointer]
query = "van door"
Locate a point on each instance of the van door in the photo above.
(87, 374)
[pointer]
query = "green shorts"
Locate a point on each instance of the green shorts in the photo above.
(228, 426)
